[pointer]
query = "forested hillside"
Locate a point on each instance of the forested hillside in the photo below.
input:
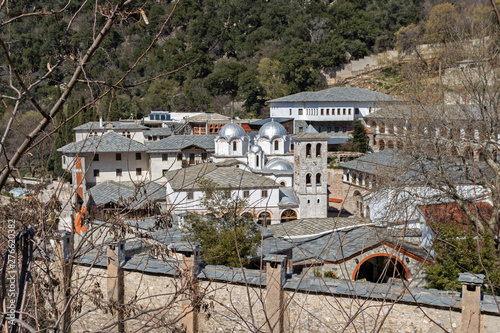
(247, 50)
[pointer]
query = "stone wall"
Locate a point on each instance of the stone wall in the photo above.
(154, 304)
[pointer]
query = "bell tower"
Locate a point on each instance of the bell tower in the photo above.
(310, 173)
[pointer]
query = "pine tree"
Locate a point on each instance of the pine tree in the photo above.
(359, 139)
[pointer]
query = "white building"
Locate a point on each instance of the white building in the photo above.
(259, 169)
(332, 110)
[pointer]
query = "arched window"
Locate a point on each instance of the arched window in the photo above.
(264, 219)
(247, 216)
(257, 161)
(318, 179)
(276, 145)
(288, 215)
(381, 128)
(347, 177)
(282, 184)
(390, 144)
(381, 145)
(308, 179)
(399, 144)
(308, 150)
(235, 146)
(318, 150)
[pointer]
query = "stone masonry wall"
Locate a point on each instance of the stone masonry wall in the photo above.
(155, 299)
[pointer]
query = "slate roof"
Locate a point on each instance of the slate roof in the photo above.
(116, 125)
(446, 112)
(134, 195)
(176, 143)
(340, 245)
(288, 198)
(107, 143)
(313, 226)
(224, 177)
(261, 122)
(337, 94)
(311, 136)
(158, 131)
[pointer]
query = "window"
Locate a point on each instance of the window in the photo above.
(308, 179)
(179, 157)
(308, 150)
(203, 156)
(318, 150)
(257, 161)
(235, 146)
(227, 194)
(138, 171)
(276, 145)
(164, 157)
(118, 156)
(96, 157)
(322, 112)
(246, 194)
(349, 111)
(300, 112)
(327, 112)
(338, 112)
(343, 112)
(96, 172)
(264, 194)
(290, 112)
(138, 156)
(164, 172)
(190, 195)
(318, 179)
(118, 172)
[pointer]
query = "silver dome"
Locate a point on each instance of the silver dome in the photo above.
(279, 164)
(232, 131)
(256, 149)
(272, 130)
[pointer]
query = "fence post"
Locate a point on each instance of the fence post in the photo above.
(189, 254)
(471, 302)
(116, 287)
(275, 301)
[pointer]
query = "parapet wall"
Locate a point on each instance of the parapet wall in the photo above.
(233, 301)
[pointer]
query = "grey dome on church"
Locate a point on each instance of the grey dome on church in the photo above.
(232, 131)
(272, 130)
(256, 149)
(279, 164)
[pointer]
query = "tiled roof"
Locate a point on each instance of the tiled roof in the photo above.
(176, 143)
(222, 177)
(133, 195)
(107, 143)
(337, 94)
(94, 125)
(452, 214)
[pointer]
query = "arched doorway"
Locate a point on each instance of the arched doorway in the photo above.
(379, 268)
(288, 215)
(381, 145)
(390, 144)
(248, 216)
(264, 219)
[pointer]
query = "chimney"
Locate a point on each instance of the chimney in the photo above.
(275, 301)
(116, 288)
(471, 302)
(189, 254)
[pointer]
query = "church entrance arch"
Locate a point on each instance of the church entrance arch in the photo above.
(379, 268)
(288, 215)
(264, 219)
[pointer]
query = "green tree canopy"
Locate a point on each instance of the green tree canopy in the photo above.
(226, 237)
(359, 138)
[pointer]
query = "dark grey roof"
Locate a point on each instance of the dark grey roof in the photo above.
(261, 122)
(443, 112)
(337, 141)
(176, 143)
(107, 143)
(337, 94)
(313, 226)
(158, 131)
(127, 193)
(343, 244)
(223, 177)
(376, 163)
(288, 198)
(311, 136)
(94, 125)
(310, 130)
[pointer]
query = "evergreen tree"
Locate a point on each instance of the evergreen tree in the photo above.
(224, 235)
(359, 138)
(458, 251)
